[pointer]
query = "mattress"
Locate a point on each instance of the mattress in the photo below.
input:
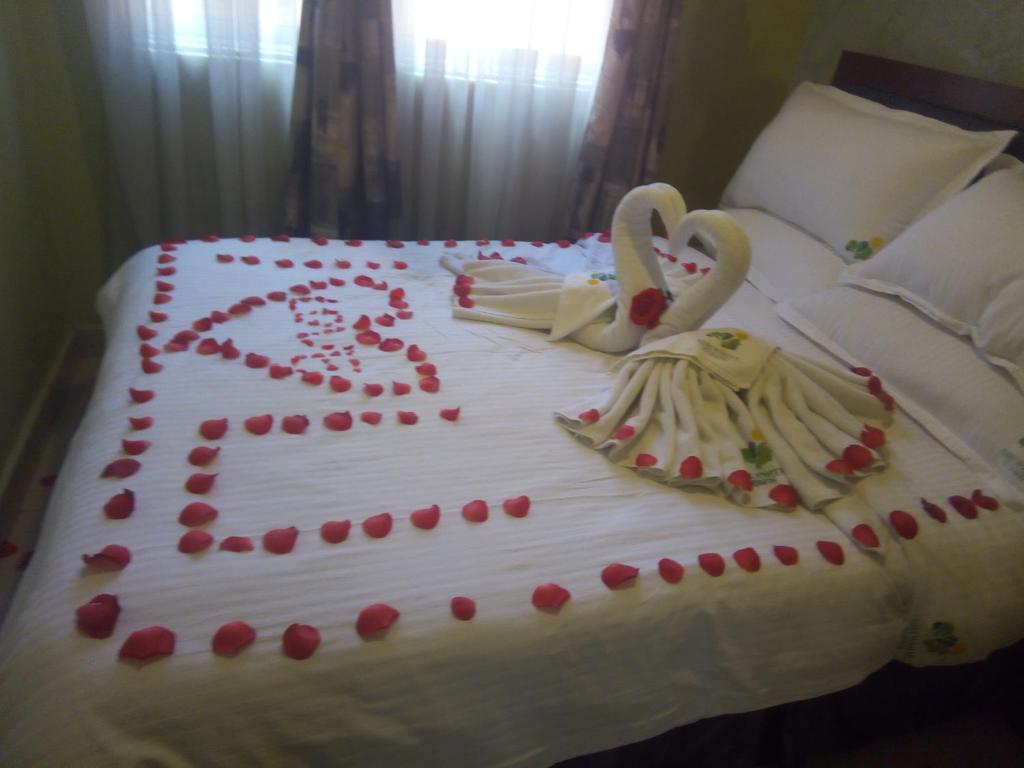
(513, 686)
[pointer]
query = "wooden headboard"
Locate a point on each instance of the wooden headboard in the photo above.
(964, 101)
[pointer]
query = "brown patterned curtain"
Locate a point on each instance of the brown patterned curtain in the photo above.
(626, 129)
(343, 179)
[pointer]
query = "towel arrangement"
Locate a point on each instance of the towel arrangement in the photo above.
(717, 409)
(723, 410)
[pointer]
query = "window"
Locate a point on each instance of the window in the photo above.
(226, 28)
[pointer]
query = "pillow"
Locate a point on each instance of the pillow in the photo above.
(972, 408)
(784, 262)
(963, 265)
(853, 172)
(1003, 162)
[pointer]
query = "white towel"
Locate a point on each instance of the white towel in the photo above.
(590, 308)
(721, 409)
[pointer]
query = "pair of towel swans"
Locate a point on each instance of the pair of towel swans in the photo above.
(717, 409)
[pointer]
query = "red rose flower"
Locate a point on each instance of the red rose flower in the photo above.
(647, 306)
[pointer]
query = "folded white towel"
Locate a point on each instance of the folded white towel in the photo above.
(723, 410)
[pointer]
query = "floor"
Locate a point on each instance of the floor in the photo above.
(989, 740)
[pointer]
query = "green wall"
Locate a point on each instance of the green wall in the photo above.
(54, 250)
(735, 62)
(979, 38)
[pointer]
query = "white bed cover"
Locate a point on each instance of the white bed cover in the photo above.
(515, 686)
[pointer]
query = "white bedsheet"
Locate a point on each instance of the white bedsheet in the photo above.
(514, 686)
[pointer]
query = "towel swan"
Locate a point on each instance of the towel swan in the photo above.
(609, 313)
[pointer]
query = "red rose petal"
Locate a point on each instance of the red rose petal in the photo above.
(903, 523)
(162, 298)
(373, 390)
(784, 495)
(213, 429)
(385, 320)
(247, 238)
(857, 456)
(463, 608)
(450, 243)
(785, 554)
(225, 258)
(280, 541)
(112, 557)
(259, 425)
(388, 345)
(335, 531)
(285, 263)
(426, 518)
(202, 455)
(340, 384)
(219, 317)
(200, 482)
(148, 350)
(645, 460)
(208, 347)
(148, 643)
(872, 437)
(741, 479)
(517, 507)
(237, 544)
(415, 354)
(163, 285)
(426, 369)
(400, 388)
(399, 264)
(450, 414)
(98, 617)
(144, 333)
(295, 425)
(277, 296)
(861, 371)
(550, 597)
(187, 336)
(157, 317)
(985, 502)
(691, 468)
(430, 384)
(318, 285)
(964, 506)
(151, 366)
(375, 618)
(194, 541)
(407, 417)
(368, 337)
(120, 505)
(197, 513)
(670, 570)
(232, 638)
(839, 467)
(712, 563)
(280, 371)
(934, 511)
(282, 238)
(590, 416)
(253, 360)
(135, 447)
(339, 421)
(167, 271)
(370, 417)
(300, 641)
(140, 423)
(865, 535)
(141, 395)
(363, 280)
(240, 308)
(617, 574)
(121, 468)
(378, 526)
(831, 551)
(747, 559)
(475, 511)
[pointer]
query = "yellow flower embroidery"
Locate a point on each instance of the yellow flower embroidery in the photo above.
(756, 435)
(741, 335)
(876, 243)
(592, 281)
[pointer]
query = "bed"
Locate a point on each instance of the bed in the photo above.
(331, 473)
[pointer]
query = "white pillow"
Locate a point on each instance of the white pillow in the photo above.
(853, 172)
(963, 265)
(785, 262)
(972, 408)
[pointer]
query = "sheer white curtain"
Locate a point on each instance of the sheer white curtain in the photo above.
(493, 99)
(198, 99)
